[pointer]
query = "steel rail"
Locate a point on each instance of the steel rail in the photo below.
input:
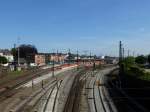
(49, 97)
(29, 99)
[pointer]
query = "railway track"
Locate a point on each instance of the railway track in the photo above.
(6, 90)
(101, 100)
(98, 100)
(9, 92)
(46, 97)
(73, 100)
(50, 104)
(29, 101)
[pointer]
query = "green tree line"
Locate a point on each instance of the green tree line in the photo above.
(3, 60)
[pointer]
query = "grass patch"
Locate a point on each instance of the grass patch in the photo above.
(138, 72)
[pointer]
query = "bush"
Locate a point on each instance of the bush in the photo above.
(136, 71)
(3, 60)
(140, 59)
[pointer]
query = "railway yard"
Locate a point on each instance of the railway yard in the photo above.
(69, 89)
(74, 56)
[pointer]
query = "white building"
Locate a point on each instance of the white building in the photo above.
(10, 58)
(7, 55)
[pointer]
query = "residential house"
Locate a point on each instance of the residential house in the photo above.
(40, 59)
(7, 54)
(57, 57)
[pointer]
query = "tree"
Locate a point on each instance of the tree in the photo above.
(140, 59)
(25, 51)
(148, 58)
(129, 61)
(14, 53)
(3, 60)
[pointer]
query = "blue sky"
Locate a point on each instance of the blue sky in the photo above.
(95, 25)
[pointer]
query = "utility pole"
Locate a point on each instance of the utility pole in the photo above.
(18, 51)
(133, 53)
(14, 55)
(77, 60)
(120, 51)
(85, 53)
(91, 63)
(128, 53)
(14, 46)
(57, 56)
(53, 65)
(94, 63)
(123, 53)
(90, 57)
(120, 64)
(69, 54)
